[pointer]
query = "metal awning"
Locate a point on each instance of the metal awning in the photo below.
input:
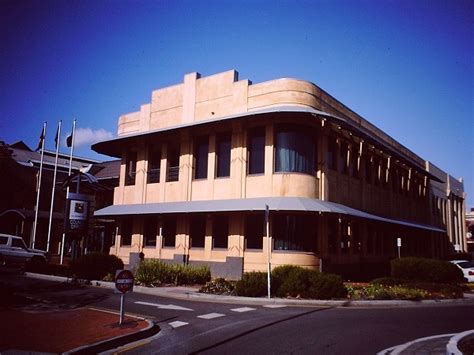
(290, 204)
(113, 147)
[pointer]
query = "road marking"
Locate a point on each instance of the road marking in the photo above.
(211, 315)
(274, 305)
(242, 309)
(177, 324)
(164, 306)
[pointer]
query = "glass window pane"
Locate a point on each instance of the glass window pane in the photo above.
(198, 231)
(223, 146)
(154, 162)
(169, 231)
(256, 151)
(201, 152)
(294, 151)
(172, 163)
(220, 231)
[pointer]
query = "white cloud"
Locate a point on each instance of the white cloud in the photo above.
(88, 136)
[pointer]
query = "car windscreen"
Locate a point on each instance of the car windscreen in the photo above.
(466, 264)
(3, 240)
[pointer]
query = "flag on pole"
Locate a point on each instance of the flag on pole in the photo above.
(42, 137)
(56, 139)
(69, 140)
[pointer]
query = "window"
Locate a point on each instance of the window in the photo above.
(332, 236)
(169, 231)
(150, 231)
(130, 168)
(345, 237)
(294, 150)
(369, 166)
(343, 158)
(154, 161)
(254, 230)
(201, 153)
(126, 232)
(223, 144)
(353, 166)
(294, 232)
(332, 150)
(198, 231)
(256, 151)
(172, 163)
(220, 231)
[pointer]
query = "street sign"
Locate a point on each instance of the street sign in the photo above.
(124, 281)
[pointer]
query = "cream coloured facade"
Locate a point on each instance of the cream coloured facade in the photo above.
(204, 158)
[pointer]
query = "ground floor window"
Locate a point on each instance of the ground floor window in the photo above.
(126, 231)
(168, 231)
(220, 231)
(254, 230)
(294, 232)
(150, 231)
(197, 231)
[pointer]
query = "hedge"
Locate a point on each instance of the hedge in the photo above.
(427, 270)
(95, 266)
(154, 272)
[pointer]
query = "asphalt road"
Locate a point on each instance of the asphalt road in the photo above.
(219, 328)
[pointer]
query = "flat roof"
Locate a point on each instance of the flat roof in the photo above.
(293, 204)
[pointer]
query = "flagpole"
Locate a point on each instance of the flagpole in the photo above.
(38, 190)
(58, 135)
(67, 191)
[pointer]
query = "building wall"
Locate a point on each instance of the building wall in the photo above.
(348, 170)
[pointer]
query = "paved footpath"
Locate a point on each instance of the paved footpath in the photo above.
(61, 331)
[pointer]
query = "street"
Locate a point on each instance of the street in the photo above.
(220, 328)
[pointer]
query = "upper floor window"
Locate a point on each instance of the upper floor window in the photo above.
(172, 159)
(344, 158)
(254, 230)
(332, 151)
(294, 232)
(201, 152)
(223, 145)
(154, 161)
(130, 168)
(294, 150)
(256, 151)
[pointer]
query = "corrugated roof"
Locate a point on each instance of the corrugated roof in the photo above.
(294, 204)
(108, 170)
(113, 147)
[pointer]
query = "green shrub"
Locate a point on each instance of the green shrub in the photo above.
(324, 286)
(219, 286)
(295, 281)
(279, 275)
(429, 270)
(252, 284)
(438, 290)
(95, 266)
(153, 272)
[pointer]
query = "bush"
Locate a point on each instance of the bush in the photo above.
(95, 266)
(154, 272)
(219, 286)
(428, 270)
(387, 281)
(252, 284)
(326, 286)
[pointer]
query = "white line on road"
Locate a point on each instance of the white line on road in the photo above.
(211, 315)
(274, 305)
(177, 324)
(164, 306)
(242, 309)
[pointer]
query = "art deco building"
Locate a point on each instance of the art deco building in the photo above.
(201, 162)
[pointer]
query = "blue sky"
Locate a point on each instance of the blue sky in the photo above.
(406, 66)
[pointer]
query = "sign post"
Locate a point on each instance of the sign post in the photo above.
(123, 283)
(269, 248)
(399, 245)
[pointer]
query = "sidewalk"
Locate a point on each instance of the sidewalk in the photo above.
(68, 331)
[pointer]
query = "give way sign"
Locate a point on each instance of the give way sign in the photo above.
(124, 281)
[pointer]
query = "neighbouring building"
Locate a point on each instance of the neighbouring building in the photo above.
(18, 187)
(470, 230)
(203, 160)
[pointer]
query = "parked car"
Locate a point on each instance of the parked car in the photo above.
(13, 250)
(467, 268)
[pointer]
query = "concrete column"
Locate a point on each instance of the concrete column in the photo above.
(186, 166)
(163, 171)
(208, 242)
(238, 160)
(269, 159)
(189, 96)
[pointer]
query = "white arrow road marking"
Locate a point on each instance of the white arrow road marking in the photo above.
(177, 324)
(164, 306)
(211, 315)
(243, 309)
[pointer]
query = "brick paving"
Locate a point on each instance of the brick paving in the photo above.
(60, 331)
